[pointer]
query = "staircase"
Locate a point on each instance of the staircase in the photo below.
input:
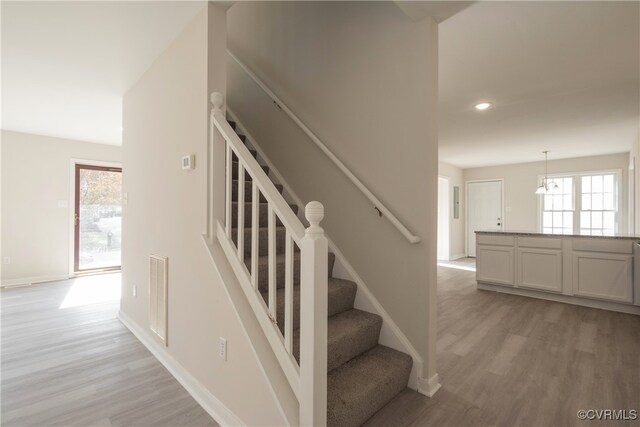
(363, 376)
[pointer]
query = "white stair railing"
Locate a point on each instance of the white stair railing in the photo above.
(309, 379)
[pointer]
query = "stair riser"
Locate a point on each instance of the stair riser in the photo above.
(346, 347)
(342, 350)
(263, 274)
(248, 191)
(358, 406)
(263, 241)
(338, 302)
(262, 215)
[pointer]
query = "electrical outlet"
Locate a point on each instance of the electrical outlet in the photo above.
(135, 291)
(6, 260)
(222, 348)
(125, 198)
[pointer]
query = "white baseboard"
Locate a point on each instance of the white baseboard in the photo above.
(457, 256)
(214, 407)
(26, 281)
(430, 386)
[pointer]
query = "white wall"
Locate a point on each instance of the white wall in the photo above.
(456, 225)
(165, 118)
(521, 181)
(363, 77)
(37, 203)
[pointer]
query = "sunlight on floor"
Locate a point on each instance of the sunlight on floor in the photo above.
(457, 265)
(93, 290)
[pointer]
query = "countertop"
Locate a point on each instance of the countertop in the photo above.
(619, 236)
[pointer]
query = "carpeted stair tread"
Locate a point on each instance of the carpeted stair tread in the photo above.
(350, 334)
(342, 294)
(248, 191)
(361, 387)
(263, 240)
(263, 269)
(262, 214)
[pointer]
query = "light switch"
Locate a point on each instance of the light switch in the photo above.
(63, 204)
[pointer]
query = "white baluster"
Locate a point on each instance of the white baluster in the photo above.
(313, 320)
(255, 225)
(288, 292)
(229, 178)
(240, 211)
(271, 232)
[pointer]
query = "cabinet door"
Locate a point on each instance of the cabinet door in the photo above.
(540, 269)
(495, 264)
(603, 276)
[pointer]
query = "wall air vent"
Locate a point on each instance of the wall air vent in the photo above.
(158, 275)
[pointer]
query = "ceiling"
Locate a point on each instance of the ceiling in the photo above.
(438, 10)
(67, 65)
(562, 76)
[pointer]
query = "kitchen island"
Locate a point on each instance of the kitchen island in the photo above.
(594, 271)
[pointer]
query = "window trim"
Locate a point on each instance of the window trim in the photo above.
(577, 201)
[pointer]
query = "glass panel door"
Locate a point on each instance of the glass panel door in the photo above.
(98, 218)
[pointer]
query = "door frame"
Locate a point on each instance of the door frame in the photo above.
(466, 207)
(448, 214)
(72, 206)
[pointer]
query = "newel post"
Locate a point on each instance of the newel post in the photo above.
(313, 319)
(215, 168)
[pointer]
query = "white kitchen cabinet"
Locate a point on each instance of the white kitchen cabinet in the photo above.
(495, 264)
(605, 276)
(540, 269)
(591, 271)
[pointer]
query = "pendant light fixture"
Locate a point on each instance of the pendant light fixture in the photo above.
(546, 186)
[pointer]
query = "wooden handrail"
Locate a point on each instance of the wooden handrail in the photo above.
(378, 205)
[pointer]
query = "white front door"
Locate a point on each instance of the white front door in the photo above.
(484, 210)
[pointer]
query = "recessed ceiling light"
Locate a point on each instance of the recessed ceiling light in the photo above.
(121, 128)
(483, 106)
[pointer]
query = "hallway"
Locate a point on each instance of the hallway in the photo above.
(506, 360)
(68, 361)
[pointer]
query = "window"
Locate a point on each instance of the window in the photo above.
(599, 204)
(557, 215)
(585, 203)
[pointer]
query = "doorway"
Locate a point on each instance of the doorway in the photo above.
(97, 218)
(484, 210)
(443, 219)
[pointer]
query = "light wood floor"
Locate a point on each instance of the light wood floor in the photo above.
(68, 361)
(506, 360)
(503, 360)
